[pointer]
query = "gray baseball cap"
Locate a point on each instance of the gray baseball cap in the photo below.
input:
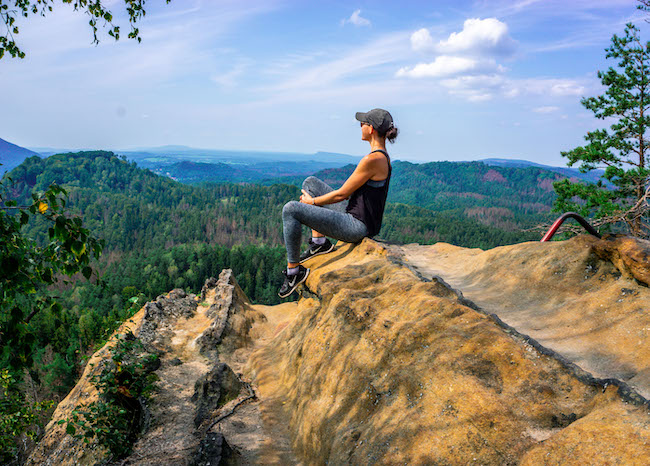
(379, 118)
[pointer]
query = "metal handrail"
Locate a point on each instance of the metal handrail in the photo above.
(549, 234)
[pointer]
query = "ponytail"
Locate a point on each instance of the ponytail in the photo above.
(391, 134)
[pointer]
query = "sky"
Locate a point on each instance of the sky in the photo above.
(464, 80)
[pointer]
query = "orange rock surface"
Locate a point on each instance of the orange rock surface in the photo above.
(383, 367)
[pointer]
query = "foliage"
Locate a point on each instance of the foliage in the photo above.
(17, 416)
(159, 235)
(217, 172)
(123, 383)
(27, 267)
(622, 149)
(644, 5)
(12, 9)
(405, 223)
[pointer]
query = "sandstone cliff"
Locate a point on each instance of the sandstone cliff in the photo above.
(536, 354)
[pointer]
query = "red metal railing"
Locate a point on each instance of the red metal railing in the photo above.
(549, 234)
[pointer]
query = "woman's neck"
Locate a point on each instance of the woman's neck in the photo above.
(378, 144)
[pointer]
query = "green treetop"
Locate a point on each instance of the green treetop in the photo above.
(622, 150)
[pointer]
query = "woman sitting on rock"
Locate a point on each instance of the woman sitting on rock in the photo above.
(349, 213)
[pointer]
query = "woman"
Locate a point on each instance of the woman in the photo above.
(349, 213)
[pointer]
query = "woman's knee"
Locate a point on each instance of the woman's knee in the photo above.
(290, 209)
(309, 182)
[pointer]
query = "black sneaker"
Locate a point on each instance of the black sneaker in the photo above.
(316, 250)
(291, 282)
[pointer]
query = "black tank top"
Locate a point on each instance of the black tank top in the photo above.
(367, 203)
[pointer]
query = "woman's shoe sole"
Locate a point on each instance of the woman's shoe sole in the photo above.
(296, 285)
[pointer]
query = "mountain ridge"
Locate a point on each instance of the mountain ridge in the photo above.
(12, 155)
(592, 176)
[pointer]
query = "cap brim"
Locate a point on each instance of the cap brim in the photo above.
(360, 116)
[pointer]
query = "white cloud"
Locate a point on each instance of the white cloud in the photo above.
(467, 65)
(554, 87)
(356, 19)
(478, 87)
(481, 82)
(466, 60)
(421, 40)
(546, 109)
(477, 97)
(480, 36)
(512, 92)
(445, 65)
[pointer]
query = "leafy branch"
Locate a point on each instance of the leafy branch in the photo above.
(124, 384)
(27, 267)
(10, 10)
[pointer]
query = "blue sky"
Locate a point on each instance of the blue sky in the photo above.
(464, 80)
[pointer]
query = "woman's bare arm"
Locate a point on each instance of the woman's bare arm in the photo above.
(367, 168)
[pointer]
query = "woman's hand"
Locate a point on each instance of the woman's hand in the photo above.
(306, 198)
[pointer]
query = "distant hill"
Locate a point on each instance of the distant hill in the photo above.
(154, 157)
(190, 165)
(591, 177)
(219, 172)
(12, 155)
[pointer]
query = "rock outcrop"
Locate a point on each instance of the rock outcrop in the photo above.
(585, 299)
(382, 361)
(383, 366)
(191, 387)
(233, 317)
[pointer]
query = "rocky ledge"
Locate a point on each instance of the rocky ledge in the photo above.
(383, 365)
(382, 361)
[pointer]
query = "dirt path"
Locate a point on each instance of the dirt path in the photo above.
(170, 435)
(256, 430)
(557, 293)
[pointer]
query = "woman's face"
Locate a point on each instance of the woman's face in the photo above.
(366, 131)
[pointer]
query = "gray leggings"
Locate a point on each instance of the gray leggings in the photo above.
(330, 220)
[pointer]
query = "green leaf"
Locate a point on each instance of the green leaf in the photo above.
(78, 248)
(70, 429)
